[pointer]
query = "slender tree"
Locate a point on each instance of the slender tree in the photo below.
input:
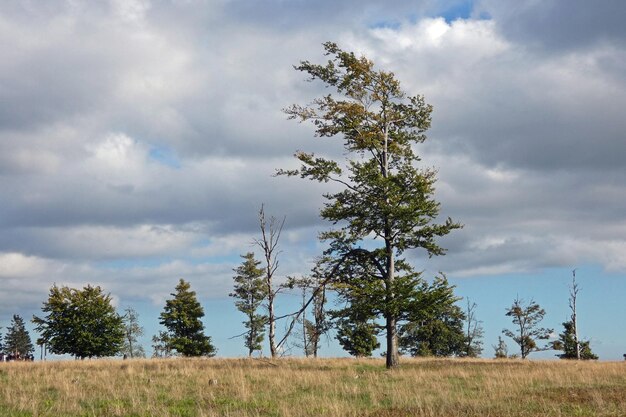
(161, 347)
(528, 332)
(501, 349)
(568, 342)
(17, 340)
(270, 236)
(181, 316)
(573, 295)
(250, 291)
(82, 323)
(312, 288)
(132, 331)
(384, 196)
(474, 332)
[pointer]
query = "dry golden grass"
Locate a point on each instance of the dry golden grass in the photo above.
(326, 387)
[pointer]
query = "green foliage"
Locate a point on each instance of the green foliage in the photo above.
(355, 323)
(528, 332)
(567, 344)
(132, 330)
(357, 337)
(383, 195)
(250, 291)
(17, 340)
(435, 323)
(82, 323)
(181, 316)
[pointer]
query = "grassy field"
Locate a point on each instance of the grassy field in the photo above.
(327, 387)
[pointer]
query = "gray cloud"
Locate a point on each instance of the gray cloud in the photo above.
(559, 25)
(138, 139)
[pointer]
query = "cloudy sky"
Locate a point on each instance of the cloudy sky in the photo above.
(138, 139)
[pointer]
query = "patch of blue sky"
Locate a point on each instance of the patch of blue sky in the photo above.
(393, 24)
(164, 156)
(461, 9)
(550, 289)
(449, 11)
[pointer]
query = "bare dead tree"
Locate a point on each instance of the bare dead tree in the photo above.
(270, 236)
(573, 294)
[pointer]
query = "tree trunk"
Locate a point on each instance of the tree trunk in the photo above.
(251, 335)
(271, 321)
(392, 359)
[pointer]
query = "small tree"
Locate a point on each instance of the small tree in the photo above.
(570, 345)
(181, 316)
(501, 349)
(435, 322)
(528, 332)
(132, 331)
(313, 330)
(250, 291)
(357, 337)
(473, 345)
(17, 340)
(82, 323)
(161, 345)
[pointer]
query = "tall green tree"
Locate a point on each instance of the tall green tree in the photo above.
(250, 291)
(132, 331)
(17, 340)
(435, 323)
(181, 317)
(82, 323)
(527, 318)
(384, 196)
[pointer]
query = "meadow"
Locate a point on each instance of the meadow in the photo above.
(307, 387)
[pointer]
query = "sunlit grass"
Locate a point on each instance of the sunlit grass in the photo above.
(323, 387)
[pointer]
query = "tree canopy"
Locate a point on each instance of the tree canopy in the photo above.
(384, 196)
(82, 323)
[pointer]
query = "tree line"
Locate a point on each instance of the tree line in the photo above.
(84, 323)
(381, 205)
